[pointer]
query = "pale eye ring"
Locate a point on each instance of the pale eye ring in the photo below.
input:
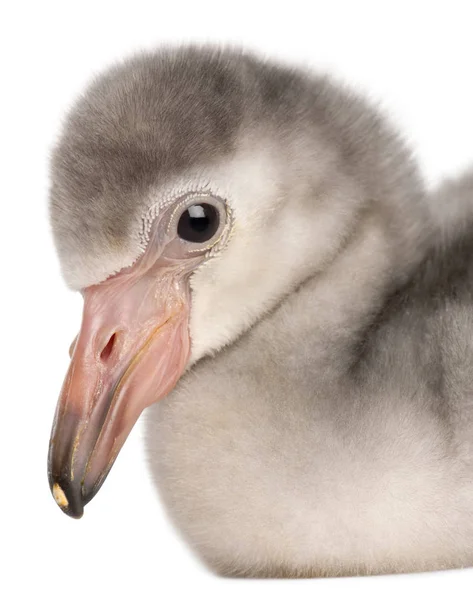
(199, 221)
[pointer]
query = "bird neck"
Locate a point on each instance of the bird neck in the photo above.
(319, 326)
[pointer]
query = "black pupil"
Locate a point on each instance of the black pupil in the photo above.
(198, 224)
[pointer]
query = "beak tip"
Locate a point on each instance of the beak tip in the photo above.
(70, 505)
(75, 515)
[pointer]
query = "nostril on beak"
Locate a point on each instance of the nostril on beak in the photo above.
(107, 351)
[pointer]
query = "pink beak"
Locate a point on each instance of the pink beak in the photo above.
(132, 348)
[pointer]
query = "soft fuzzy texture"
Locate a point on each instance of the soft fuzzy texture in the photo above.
(323, 427)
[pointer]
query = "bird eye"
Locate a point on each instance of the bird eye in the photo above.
(198, 223)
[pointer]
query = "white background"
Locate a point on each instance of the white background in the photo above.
(415, 57)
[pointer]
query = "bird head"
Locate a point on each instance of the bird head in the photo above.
(191, 191)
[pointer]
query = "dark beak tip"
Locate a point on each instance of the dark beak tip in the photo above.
(69, 502)
(74, 515)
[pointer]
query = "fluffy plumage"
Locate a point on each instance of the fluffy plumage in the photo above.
(323, 427)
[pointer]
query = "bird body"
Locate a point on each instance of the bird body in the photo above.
(326, 440)
(320, 423)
